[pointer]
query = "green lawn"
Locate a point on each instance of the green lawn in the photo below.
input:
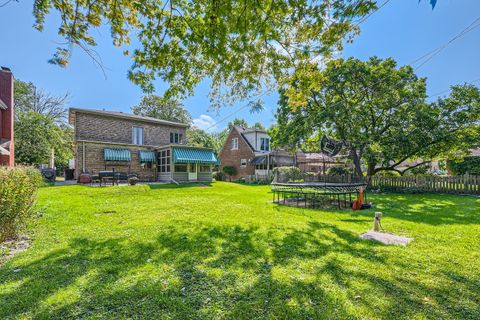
(225, 251)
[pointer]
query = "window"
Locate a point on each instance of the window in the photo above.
(146, 165)
(205, 169)
(243, 162)
(137, 135)
(193, 167)
(265, 144)
(180, 168)
(235, 144)
(164, 161)
(176, 137)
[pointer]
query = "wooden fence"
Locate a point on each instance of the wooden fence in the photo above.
(429, 184)
(435, 184)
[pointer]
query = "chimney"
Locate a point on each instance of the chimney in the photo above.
(7, 150)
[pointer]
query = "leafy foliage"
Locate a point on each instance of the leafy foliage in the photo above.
(470, 165)
(239, 45)
(338, 171)
(287, 173)
(380, 112)
(230, 171)
(162, 108)
(36, 134)
(18, 187)
(201, 138)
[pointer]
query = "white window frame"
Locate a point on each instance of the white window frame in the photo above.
(136, 137)
(243, 163)
(235, 144)
(176, 138)
(264, 144)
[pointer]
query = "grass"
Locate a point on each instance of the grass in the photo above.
(226, 251)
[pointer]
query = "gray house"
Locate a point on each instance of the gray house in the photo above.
(155, 150)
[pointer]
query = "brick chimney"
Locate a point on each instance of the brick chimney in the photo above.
(7, 149)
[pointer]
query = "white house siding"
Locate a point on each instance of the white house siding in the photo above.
(254, 139)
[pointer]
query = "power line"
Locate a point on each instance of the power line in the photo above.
(233, 113)
(246, 105)
(430, 55)
(449, 89)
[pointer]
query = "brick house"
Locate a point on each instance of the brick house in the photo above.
(7, 150)
(248, 150)
(153, 149)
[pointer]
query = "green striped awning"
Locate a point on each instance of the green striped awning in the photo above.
(116, 154)
(194, 155)
(146, 156)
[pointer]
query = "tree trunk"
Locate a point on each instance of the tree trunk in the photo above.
(356, 162)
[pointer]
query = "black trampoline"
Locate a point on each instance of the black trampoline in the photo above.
(317, 194)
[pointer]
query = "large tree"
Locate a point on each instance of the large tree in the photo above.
(29, 98)
(35, 137)
(241, 46)
(162, 108)
(380, 112)
(201, 138)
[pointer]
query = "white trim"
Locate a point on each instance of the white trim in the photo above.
(234, 143)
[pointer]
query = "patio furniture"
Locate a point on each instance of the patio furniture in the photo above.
(106, 176)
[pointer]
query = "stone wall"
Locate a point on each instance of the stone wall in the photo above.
(94, 127)
(94, 160)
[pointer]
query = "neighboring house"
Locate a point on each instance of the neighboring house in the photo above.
(153, 149)
(248, 150)
(7, 151)
(317, 162)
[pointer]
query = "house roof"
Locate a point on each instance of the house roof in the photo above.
(122, 115)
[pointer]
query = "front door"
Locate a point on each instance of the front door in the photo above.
(192, 171)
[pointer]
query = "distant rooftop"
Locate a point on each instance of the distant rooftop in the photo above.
(246, 130)
(123, 115)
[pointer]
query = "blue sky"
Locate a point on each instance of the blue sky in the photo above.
(403, 29)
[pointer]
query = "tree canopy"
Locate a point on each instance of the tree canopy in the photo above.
(36, 135)
(29, 98)
(241, 46)
(162, 108)
(40, 126)
(381, 113)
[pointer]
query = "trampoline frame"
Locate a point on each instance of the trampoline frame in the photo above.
(313, 192)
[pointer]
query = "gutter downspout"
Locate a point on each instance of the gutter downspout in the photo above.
(83, 157)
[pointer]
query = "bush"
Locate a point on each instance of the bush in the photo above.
(338, 171)
(230, 171)
(470, 165)
(288, 174)
(388, 173)
(18, 188)
(218, 176)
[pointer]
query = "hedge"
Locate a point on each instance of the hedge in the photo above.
(18, 189)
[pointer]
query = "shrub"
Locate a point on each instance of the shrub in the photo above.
(230, 171)
(470, 165)
(219, 176)
(18, 188)
(287, 174)
(388, 173)
(338, 171)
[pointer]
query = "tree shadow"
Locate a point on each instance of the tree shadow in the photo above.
(219, 272)
(432, 209)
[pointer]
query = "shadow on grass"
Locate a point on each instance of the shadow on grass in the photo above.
(428, 209)
(179, 186)
(218, 272)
